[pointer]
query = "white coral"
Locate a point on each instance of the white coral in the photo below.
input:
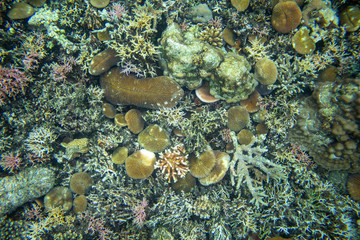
(250, 156)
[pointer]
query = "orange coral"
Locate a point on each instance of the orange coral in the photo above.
(173, 163)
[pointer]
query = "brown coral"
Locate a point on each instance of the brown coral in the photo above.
(140, 164)
(212, 35)
(286, 16)
(353, 186)
(152, 93)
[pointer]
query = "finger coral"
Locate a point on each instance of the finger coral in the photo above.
(152, 93)
(286, 16)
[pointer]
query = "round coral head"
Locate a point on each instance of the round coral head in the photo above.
(140, 164)
(202, 165)
(286, 16)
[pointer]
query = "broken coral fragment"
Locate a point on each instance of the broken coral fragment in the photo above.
(156, 92)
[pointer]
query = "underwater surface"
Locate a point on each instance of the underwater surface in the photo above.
(188, 119)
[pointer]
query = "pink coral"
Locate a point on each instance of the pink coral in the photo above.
(12, 82)
(139, 212)
(117, 11)
(10, 162)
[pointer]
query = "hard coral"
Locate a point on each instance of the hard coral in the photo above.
(238, 118)
(286, 16)
(219, 170)
(212, 35)
(173, 163)
(149, 92)
(140, 164)
(134, 121)
(350, 18)
(80, 182)
(302, 42)
(201, 166)
(154, 138)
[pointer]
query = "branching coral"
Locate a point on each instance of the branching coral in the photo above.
(247, 158)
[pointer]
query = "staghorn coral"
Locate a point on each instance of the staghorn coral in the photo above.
(246, 158)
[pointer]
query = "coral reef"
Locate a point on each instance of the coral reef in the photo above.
(179, 119)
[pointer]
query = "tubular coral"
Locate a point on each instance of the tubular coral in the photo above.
(173, 163)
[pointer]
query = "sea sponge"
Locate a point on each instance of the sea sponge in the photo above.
(152, 93)
(58, 197)
(80, 182)
(219, 170)
(21, 10)
(119, 155)
(80, 204)
(350, 18)
(240, 5)
(266, 71)
(286, 16)
(353, 186)
(154, 138)
(103, 61)
(134, 121)
(99, 3)
(140, 164)
(108, 110)
(252, 103)
(201, 166)
(119, 120)
(302, 42)
(184, 184)
(238, 118)
(245, 137)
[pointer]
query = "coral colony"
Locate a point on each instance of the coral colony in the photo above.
(180, 120)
